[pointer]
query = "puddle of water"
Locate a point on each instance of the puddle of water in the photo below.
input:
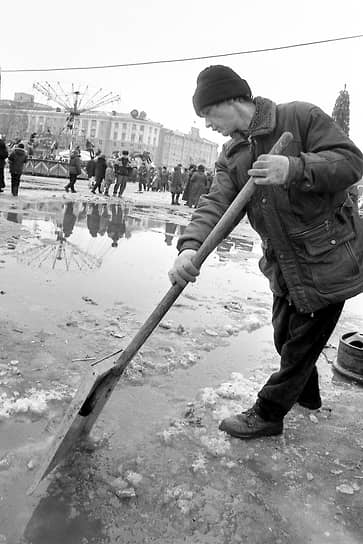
(105, 251)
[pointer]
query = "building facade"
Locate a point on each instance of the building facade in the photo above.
(179, 148)
(108, 131)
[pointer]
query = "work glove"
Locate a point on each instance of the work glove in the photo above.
(183, 270)
(270, 170)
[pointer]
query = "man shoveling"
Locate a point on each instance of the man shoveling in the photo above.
(312, 236)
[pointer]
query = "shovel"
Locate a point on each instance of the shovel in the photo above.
(98, 384)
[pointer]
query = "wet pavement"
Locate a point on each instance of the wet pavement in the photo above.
(78, 279)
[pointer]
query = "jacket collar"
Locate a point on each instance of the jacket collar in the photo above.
(263, 122)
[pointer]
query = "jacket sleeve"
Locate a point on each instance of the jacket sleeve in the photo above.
(330, 161)
(210, 209)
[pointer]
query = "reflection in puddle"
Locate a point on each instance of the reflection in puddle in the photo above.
(78, 235)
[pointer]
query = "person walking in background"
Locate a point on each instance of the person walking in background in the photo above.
(100, 171)
(122, 172)
(3, 156)
(164, 179)
(197, 186)
(74, 171)
(156, 181)
(90, 169)
(192, 168)
(311, 233)
(142, 175)
(176, 185)
(17, 159)
(109, 177)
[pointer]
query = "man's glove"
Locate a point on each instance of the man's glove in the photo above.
(270, 170)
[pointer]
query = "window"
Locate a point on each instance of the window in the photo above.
(124, 126)
(132, 137)
(141, 138)
(142, 128)
(133, 127)
(93, 123)
(115, 126)
(115, 135)
(93, 133)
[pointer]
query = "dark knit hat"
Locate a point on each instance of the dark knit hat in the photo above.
(216, 84)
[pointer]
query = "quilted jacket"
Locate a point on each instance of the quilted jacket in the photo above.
(312, 235)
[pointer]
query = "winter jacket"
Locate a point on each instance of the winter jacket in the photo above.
(312, 235)
(176, 183)
(123, 166)
(17, 159)
(197, 187)
(75, 165)
(100, 167)
(90, 168)
(3, 152)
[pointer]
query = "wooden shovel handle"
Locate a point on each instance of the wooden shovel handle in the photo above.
(214, 238)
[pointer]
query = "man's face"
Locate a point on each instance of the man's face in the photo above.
(225, 119)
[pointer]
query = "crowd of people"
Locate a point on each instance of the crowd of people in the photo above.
(110, 177)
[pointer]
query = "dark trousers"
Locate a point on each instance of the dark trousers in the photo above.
(98, 184)
(120, 185)
(15, 182)
(2, 177)
(72, 180)
(299, 339)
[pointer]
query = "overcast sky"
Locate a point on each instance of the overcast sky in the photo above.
(42, 34)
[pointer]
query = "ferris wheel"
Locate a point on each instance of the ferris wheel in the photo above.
(74, 102)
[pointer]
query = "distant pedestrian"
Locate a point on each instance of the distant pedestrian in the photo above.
(192, 168)
(142, 176)
(164, 181)
(109, 177)
(74, 171)
(100, 171)
(122, 170)
(197, 186)
(156, 180)
(3, 156)
(17, 160)
(176, 185)
(90, 169)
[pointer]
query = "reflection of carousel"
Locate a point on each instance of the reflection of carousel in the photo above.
(60, 250)
(49, 251)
